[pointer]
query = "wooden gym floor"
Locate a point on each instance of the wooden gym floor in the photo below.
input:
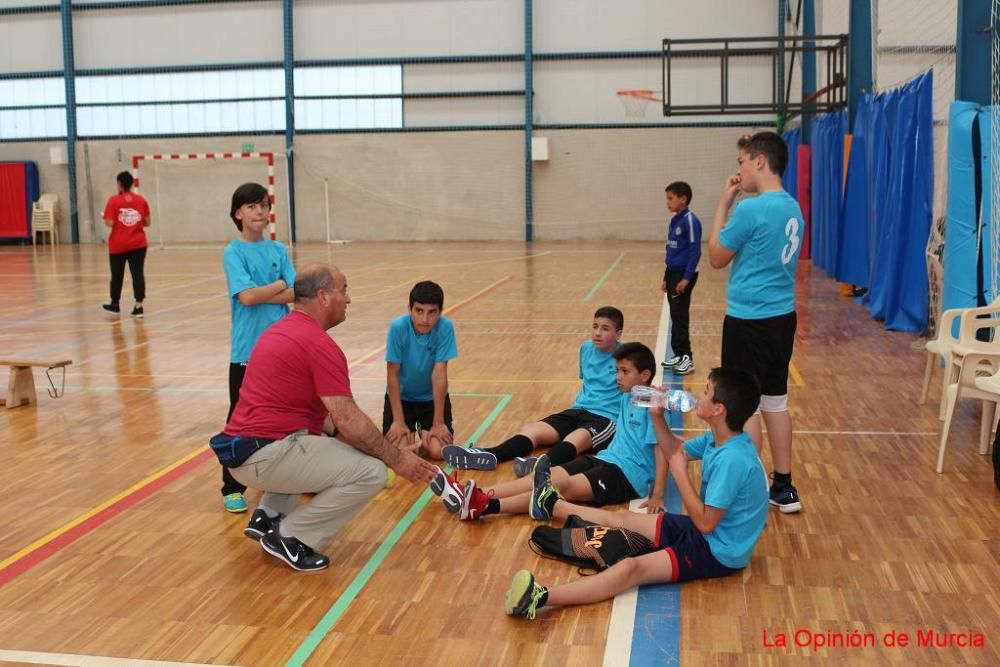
(114, 541)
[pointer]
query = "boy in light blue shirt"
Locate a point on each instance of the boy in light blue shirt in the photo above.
(259, 279)
(418, 347)
(762, 239)
(622, 472)
(722, 525)
(588, 425)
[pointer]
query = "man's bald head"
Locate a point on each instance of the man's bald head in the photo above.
(315, 277)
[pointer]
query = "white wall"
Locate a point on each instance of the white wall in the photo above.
(21, 37)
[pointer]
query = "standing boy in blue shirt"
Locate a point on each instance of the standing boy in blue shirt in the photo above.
(259, 278)
(722, 525)
(589, 424)
(681, 274)
(418, 347)
(622, 472)
(762, 239)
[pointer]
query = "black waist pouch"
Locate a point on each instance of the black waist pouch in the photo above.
(233, 450)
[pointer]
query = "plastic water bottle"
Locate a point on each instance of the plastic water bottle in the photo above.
(674, 400)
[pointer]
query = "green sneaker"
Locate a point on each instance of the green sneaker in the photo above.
(543, 494)
(524, 596)
(234, 503)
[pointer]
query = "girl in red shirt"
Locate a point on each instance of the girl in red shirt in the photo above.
(127, 214)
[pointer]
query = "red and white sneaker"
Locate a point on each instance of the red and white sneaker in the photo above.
(474, 502)
(449, 489)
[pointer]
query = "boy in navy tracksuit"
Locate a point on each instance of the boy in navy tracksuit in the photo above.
(681, 274)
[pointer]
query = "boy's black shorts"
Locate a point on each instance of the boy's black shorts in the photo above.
(761, 347)
(690, 555)
(416, 411)
(607, 481)
(602, 429)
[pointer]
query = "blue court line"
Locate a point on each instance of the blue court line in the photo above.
(656, 631)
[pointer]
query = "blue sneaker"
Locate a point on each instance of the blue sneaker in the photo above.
(235, 503)
(524, 465)
(543, 494)
(469, 458)
(786, 499)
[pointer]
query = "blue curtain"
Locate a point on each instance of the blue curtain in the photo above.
(790, 179)
(885, 218)
(827, 173)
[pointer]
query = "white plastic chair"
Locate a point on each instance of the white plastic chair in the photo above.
(45, 218)
(943, 346)
(978, 377)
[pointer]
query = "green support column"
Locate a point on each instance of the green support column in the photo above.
(859, 65)
(69, 79)
(972, 51)
(808, 65)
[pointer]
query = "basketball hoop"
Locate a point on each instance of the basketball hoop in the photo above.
(636, 101)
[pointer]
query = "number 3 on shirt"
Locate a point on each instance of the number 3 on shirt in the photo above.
(792, 232)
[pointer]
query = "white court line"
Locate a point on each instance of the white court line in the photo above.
(36, 658)
(618, 649)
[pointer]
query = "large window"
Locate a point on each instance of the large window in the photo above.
(335, 98)
(250, 100)
(32, 108)
(212, 102)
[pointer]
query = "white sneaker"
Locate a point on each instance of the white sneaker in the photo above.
(670, 363)
(684, 366)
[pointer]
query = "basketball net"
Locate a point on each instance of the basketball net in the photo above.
(636, 101)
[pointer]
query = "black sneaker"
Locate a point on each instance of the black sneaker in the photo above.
(786, 499)
(137, 312)
(111, 307)
(261, 524)
(296, 555)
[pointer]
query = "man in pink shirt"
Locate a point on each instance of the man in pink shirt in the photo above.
(296, 429)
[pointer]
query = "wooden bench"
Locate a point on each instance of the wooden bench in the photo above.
(21, 382)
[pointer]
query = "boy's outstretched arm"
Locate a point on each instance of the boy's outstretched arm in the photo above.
(439, 383)
(705, 517)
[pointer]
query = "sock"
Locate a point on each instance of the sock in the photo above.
(550, 503)
(271, 514)
(493, 507)
(545, 596)
(511, 448)
(781, 480)
(562, 453)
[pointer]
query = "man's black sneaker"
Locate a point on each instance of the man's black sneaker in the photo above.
(294, 553)
(137, 312)
(111, 307)
(260, 524)
(786, 499)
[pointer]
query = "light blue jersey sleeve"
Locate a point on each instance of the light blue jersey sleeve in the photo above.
(395, 339)
(238, 276)
(695, 447)
(728, 482)
(447, 346)
(739, 228)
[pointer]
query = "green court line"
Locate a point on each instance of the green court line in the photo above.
(600, 281)
(339, 607)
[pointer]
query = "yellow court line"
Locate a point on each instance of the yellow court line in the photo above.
(106, 504)
(796, 377)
